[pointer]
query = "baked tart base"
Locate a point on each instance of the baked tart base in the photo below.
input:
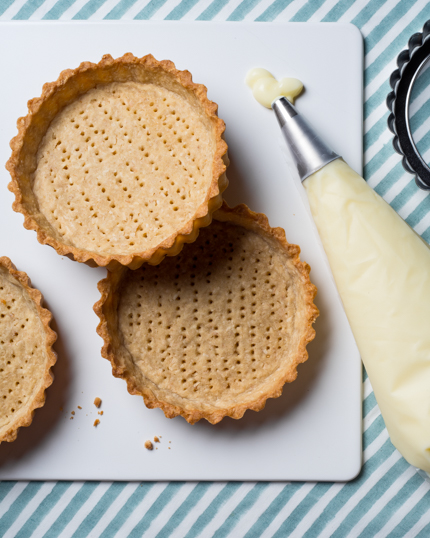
(26, 354)
(120, 162)
(218, 329)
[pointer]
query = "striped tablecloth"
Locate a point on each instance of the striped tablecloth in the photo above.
(389, 498)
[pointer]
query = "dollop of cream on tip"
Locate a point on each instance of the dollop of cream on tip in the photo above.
(266, 88)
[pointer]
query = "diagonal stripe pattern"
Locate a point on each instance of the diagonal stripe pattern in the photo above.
(389, 498)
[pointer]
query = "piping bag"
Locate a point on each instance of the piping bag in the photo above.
(382, 272)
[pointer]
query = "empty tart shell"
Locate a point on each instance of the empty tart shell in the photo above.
(120, 162)
(218, 329)
(26, 354)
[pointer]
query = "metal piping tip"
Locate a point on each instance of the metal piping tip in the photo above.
(307, 151)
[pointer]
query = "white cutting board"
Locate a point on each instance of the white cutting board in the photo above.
(313, 431)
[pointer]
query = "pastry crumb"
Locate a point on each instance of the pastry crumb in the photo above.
(73, 412)
(100, 413)
(71, 418)
(96, 422)
(149, 445)
(156, 439)
(61, 409)
(97, 402)
(79, 407)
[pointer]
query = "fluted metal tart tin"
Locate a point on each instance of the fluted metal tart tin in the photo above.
(410, 63)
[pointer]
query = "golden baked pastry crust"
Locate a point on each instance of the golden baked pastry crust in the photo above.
(126, 172)
(218, 329)
(25, 360)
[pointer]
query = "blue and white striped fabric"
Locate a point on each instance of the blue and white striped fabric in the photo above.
(389, 498)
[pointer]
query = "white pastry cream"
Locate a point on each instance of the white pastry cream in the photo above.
(266, 88)
(382, 271)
